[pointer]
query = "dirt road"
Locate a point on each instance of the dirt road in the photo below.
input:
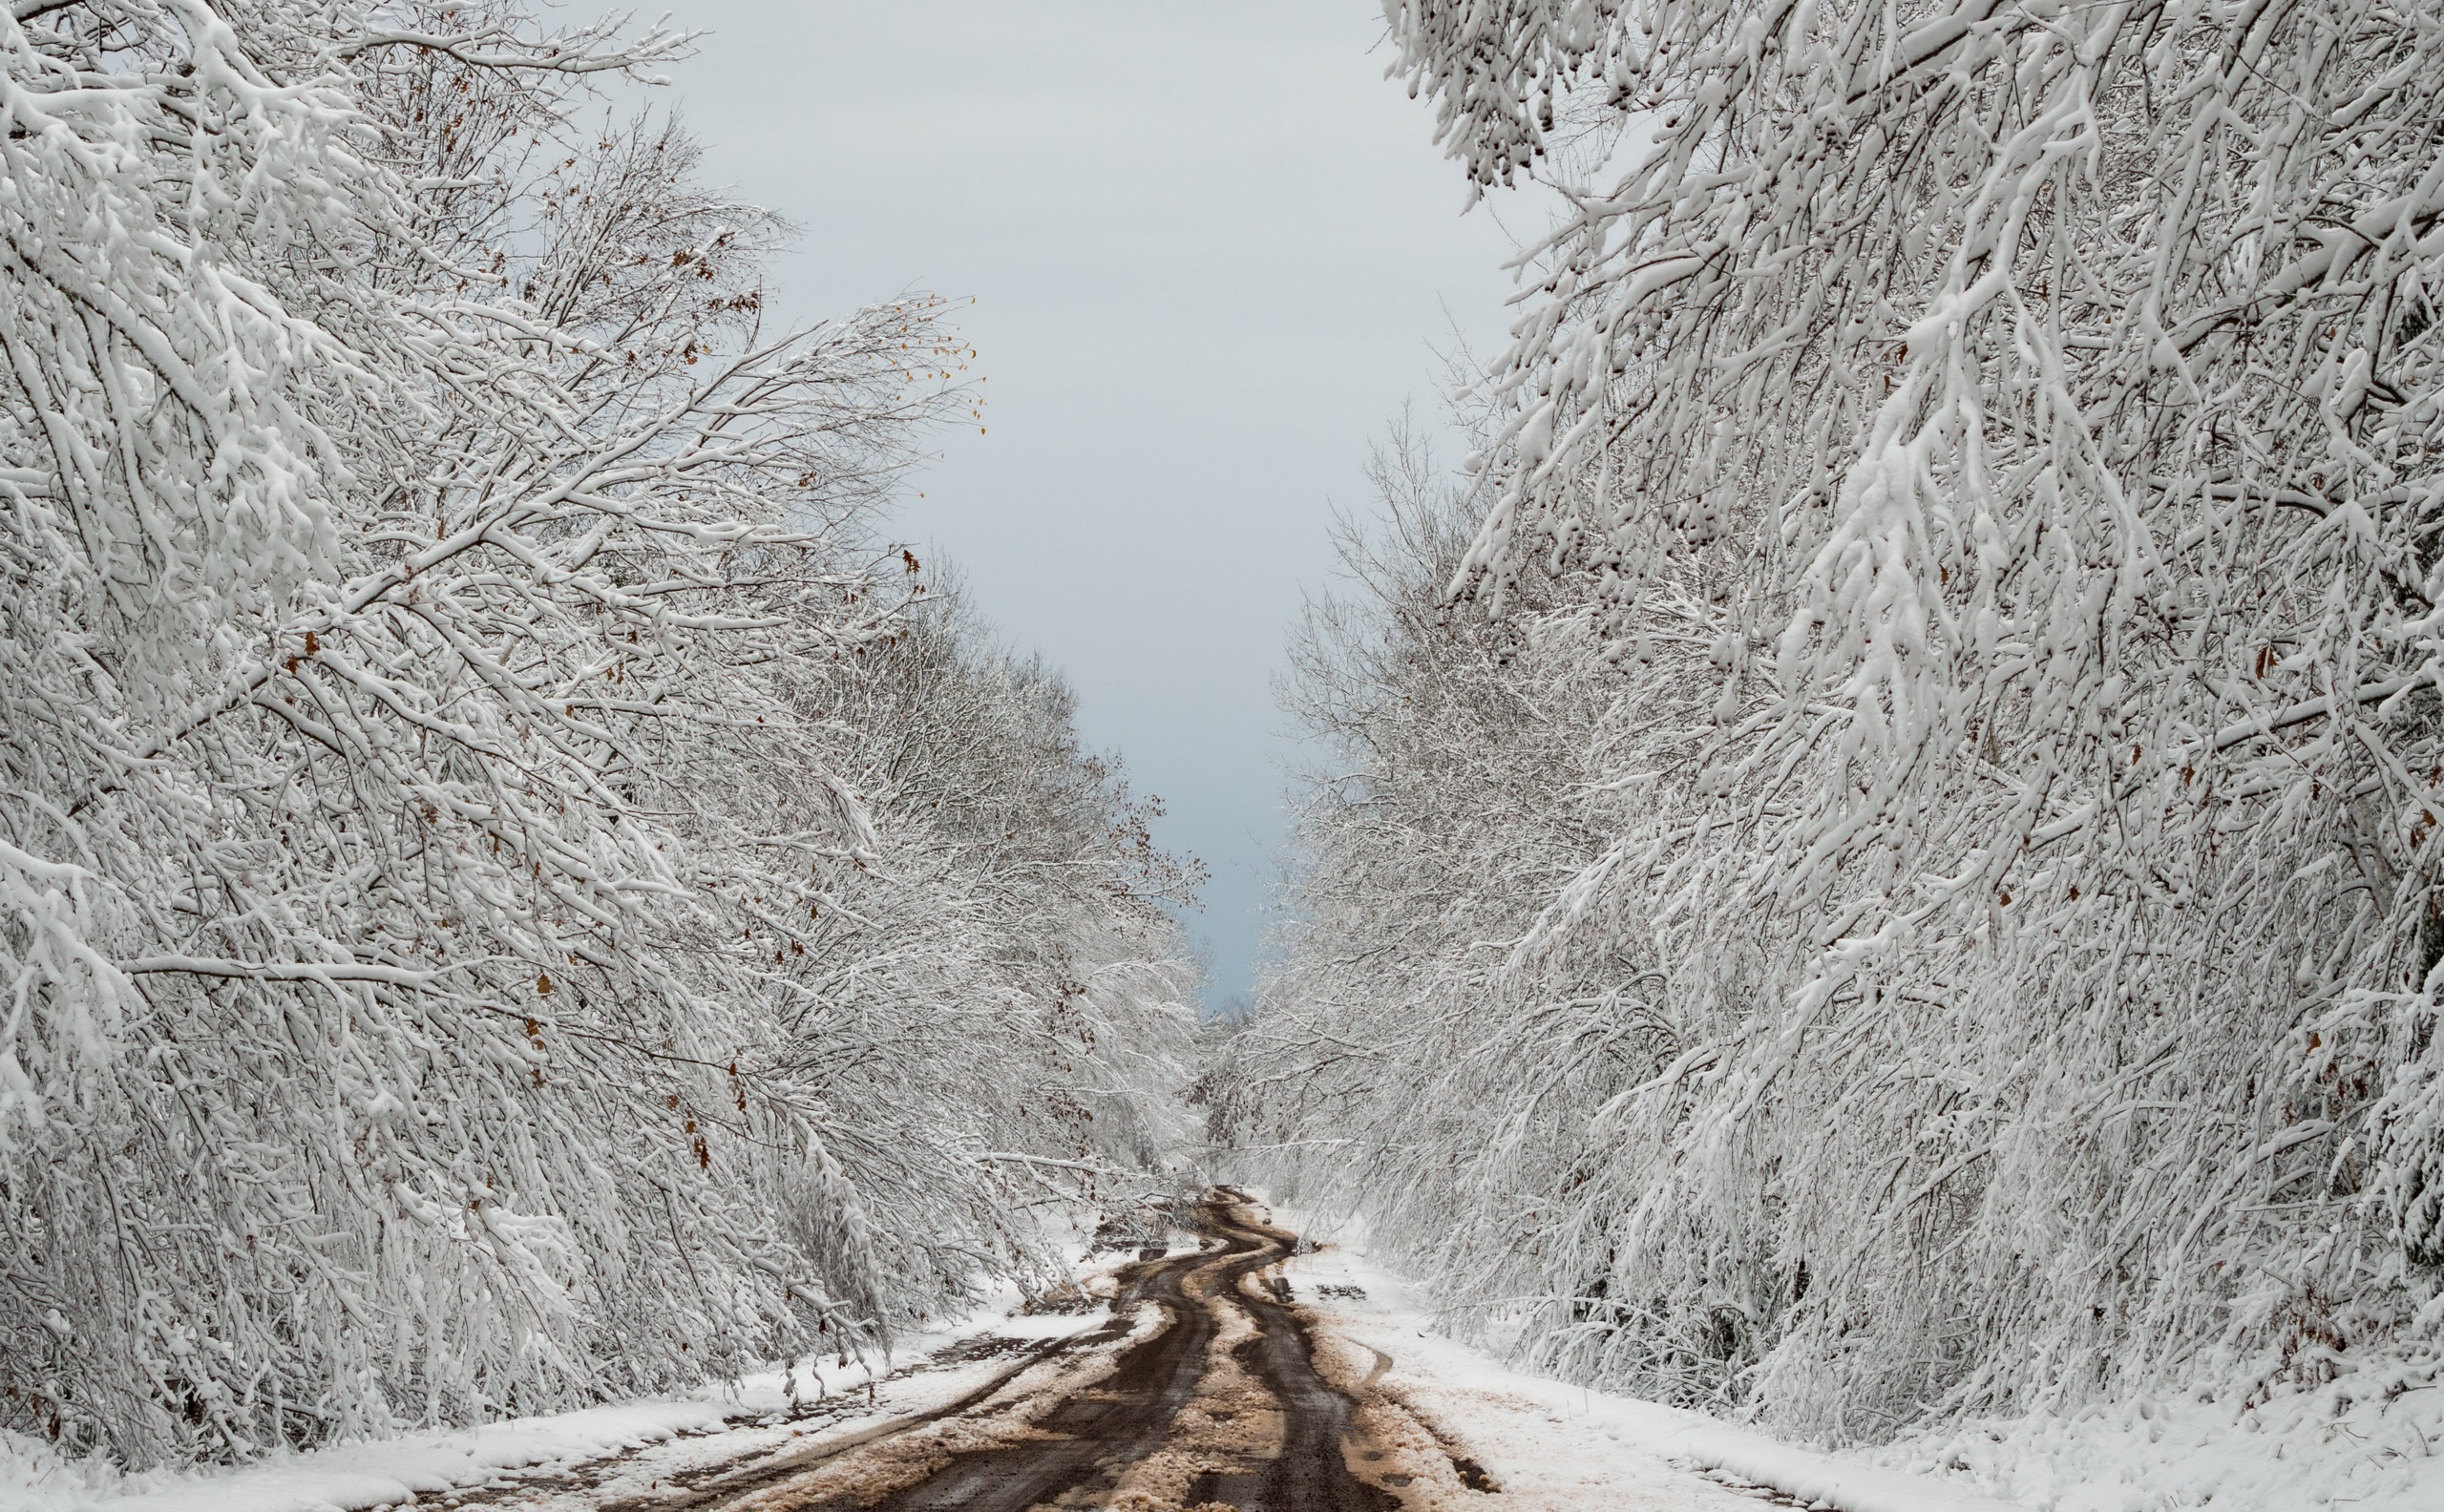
(1205, 1392)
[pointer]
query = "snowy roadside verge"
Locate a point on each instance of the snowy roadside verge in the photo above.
(2373, 1441)
(1506, 1418)
(348, 1477)
(677, 1435)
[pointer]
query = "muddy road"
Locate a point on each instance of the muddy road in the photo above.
(1208, 1390)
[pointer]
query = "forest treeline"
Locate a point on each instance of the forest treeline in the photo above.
(510, 894)
(1874, 858)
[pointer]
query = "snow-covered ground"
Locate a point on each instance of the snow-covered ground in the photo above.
(1548, 1445)
(2371, 1445)
(594, 1454)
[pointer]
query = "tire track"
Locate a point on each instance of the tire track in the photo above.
(1294, 1454)
(1212, 1403)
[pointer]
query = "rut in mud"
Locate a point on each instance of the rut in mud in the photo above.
(1217, 1404)
(1135, 1423)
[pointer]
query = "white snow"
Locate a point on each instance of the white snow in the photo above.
(2364, 1445)
(1549, 1439)
(2371, 1445)
(349, 1477)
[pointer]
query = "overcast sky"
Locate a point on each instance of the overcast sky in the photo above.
(1213, 251)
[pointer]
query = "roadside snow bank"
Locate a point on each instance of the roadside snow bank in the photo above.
(353, 1477)
(1494, 1410)
(346, 1477)
(2373, 1442)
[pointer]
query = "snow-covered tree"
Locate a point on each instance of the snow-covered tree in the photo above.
(1393, 1061)
(1995, 444)
(429, 593)
(997, 1002)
